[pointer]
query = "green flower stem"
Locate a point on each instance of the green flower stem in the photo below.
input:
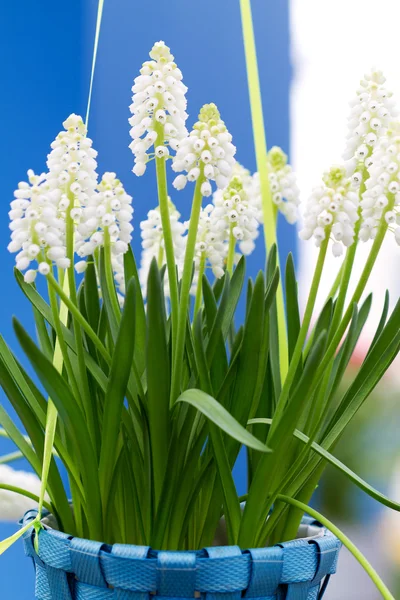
(80, 319)
(260, 143)
(199, 290)
(185, 287)
(298, 351)
(231, 250)
(386, 594)
(109, 272)
(376, 246)
(87, 402)
(167, 232)
(7, 458)
(26, 493)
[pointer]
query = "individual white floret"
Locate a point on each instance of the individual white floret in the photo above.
(158, 100)
(283, 185)
(207, 152)
(372, 108)
(153, 244)
(332, 209)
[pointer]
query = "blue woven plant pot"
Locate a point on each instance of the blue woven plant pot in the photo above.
(69, 568)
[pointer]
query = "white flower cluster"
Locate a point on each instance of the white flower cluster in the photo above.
(371, 110)
(207, 151)
(332, 209)
(211, 244)
(153, 244)
(235, 214)
(39, 211)
(13, 505)
(382, 195)
(284, 190)
(158, 100)
(109, 209)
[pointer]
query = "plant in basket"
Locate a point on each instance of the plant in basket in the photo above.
(147, 387)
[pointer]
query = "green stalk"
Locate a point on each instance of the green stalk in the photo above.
(376, 246)
(386, 594)
(262, 167)
(185, 287)
(199, 290)
(167, 232)
(298, 351)
(231, 251)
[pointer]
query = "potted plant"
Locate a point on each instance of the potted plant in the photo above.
(151, 397)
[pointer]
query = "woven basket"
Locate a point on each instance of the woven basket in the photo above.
(69, 568)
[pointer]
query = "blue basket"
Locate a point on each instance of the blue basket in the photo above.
(70, 568)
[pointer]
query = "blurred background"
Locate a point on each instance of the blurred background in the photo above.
(311, 57)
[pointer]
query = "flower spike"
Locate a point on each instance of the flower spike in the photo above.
(371, 111)
(284, 190)
(38, 212)
(332, 209)
(158, 99)
(208, 150)
(153, 245)
(381, 199)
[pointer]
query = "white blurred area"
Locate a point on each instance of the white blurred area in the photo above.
(334, 42)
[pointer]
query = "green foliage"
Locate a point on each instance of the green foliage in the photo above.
(165, 468)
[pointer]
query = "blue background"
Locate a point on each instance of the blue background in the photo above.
(47, 47)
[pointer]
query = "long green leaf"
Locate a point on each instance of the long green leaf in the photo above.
(358, 481)
(214, 411)
(73, 418)
(158, 378)
(116, 390)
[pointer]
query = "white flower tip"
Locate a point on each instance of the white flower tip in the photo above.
(30, 276)
(139, 169)
(81, 266)
(180, 182)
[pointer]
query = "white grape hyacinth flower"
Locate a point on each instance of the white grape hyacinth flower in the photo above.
(371, 111)
(159, 99)
(285, 193)
(235, 214)
(381, 199)
(109, 209)
(211, 246)
(42, 205)
(332, 208)
(153, 244)
(12, 505)
(207, 152)
(38, 230)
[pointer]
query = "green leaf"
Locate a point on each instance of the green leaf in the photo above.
(214, 411)
(116, 390)
(130, 270)
(337, 464)
(235, 289)
(158, 378)
(296, 403)
(292, 305)
(73, 418)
